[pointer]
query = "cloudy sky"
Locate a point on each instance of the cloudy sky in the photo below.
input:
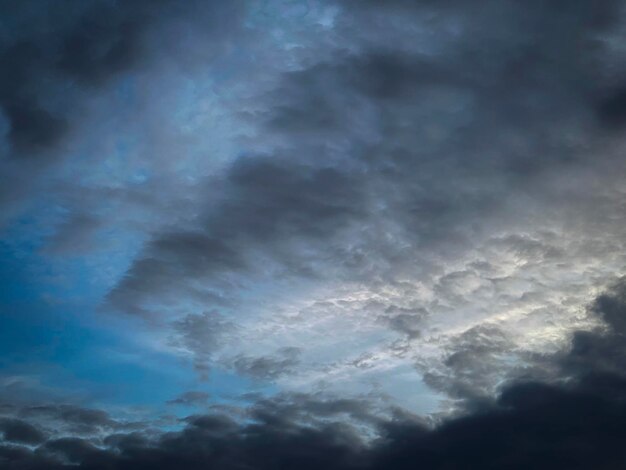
(343, 234)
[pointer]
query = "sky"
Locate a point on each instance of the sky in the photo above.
(292, 234)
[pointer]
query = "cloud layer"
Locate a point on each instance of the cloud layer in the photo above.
(577, 421)
(462, 174)
(361, 231)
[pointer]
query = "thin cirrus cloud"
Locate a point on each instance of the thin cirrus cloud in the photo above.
(362, 230)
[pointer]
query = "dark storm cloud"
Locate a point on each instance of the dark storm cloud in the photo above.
(612, 109)
(578, 423)
(54, 45)
(602, 352)
(15, 430)
(474, 362)
(69, 419)
(53, 55)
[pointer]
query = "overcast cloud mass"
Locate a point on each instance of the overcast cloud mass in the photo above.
(292, 234)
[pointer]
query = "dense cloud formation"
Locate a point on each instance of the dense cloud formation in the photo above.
(58, 57)
(347, 234)
(577, 423)
(46, 56)
(441, 174)
(50, 48)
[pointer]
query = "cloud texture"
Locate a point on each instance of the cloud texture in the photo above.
(575, 422)
(361, 230)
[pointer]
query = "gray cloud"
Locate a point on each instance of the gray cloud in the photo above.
(602, 351)
(50, 55)
(69, 418)
(14, 430)
(59, 61)
(272, 206)
(202, 335)
(389, 155)
(575, 423)
(458, 158)
(268, 368)
(475, 365)
(429, 155)
(54, 49)
(405, 320)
